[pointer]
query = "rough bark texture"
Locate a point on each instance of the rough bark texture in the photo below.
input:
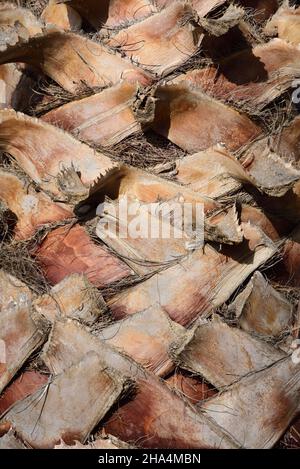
(149, 224)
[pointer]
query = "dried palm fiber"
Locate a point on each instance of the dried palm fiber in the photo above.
(35, 6)
(261, 9)
(145, 150)
(16, 259)
(24, 385)
(291, 438)
(165, 40)
(81, 60)
(74, 402)
(222, 354)
(75, 297)
(207, 278)
(261, 309)
(31, 208)
(20, 136)
(21, 330)
(250, 78)
(285, 24)
(191, 387)
(69, 250)
(154, 415)
(104, 118)
(110, 14)
(7, 222)
(258, 408)
(63, 16)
